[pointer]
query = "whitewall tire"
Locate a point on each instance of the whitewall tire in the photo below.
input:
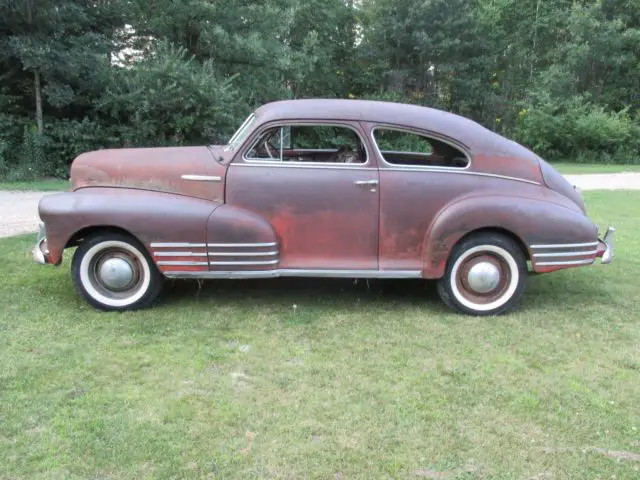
(113, 271)
(485, 275)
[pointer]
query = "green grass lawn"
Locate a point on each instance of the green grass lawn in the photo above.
(379, 381)
(39, 186)
(576, 168)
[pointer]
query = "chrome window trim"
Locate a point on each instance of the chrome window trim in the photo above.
(280, 124)
(568, 263)
(241, 245)
(415, 132)
(239, 274)
(565, 254)
(434, 169)
(565, 245)
(250, 118)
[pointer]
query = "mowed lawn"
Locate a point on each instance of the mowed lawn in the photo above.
(51, 185)
(590, 168)
(324, 379)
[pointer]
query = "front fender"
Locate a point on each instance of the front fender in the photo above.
(533, 221)
(149, 216)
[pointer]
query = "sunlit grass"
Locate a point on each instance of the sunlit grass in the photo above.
(37, 186)
(361, 380)
(577, 168)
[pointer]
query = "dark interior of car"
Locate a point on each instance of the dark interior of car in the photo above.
(442, 155)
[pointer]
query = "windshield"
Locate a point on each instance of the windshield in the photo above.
(241, 134)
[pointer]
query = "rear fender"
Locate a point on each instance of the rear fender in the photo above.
(532, 221)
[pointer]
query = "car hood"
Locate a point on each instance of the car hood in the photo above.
(158, 169)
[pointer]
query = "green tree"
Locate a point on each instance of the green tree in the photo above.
(432, 52)
(170, 98)
(58, 51)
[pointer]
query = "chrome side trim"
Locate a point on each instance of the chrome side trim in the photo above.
(566, 245)
(182, 264)
(565, 254)
(558, 264)
(458, 172)
(178, 245)
(202, 178)
(266, 262)
(241, 245)
(178, 254)
(242, 254)
(406, 274)
(352, 273)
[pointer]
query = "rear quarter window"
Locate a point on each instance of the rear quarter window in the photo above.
(404, 148)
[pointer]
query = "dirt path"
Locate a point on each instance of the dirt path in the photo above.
(19, 210)
(606, 181)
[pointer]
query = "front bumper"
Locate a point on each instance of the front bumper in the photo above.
(606, 247)
(41, 251)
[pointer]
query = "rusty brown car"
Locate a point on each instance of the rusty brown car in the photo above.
(323, 188)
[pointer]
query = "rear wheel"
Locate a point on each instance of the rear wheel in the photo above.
(113, 271)
(485, 275)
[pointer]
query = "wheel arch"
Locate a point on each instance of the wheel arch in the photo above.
(475, 214)
(76, 238)
(500, 231)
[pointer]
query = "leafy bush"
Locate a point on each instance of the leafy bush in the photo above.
(29, 161)
(66, 139)
(171, 98)
(578, 131)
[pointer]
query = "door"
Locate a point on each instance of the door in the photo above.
(418, 175)
(318, 187)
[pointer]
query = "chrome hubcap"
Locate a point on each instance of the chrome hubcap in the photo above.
(484, 277)
(116, 273)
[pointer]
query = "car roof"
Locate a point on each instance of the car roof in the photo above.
(466, 131)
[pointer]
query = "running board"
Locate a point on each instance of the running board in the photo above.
(296, 273)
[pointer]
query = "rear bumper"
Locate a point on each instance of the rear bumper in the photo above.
(606, 246)
(40, 251)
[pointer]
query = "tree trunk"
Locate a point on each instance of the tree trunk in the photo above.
(37, 87)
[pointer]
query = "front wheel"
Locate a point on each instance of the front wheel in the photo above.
(113, 271)
(485, 275)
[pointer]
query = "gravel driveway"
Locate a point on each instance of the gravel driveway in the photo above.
(19, 210)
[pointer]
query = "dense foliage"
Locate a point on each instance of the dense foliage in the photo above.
(561, 76)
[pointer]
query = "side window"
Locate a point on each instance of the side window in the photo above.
(399, 147)
(309, 144)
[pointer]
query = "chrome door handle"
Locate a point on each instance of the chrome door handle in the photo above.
(366, 182)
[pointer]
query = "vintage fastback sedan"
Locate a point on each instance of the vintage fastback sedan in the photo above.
(323, 188)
